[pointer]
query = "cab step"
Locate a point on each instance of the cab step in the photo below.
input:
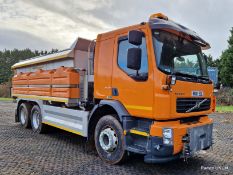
(139, 131)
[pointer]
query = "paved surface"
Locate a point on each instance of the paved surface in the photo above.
(59, 152)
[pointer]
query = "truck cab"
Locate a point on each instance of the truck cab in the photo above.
(157, 71)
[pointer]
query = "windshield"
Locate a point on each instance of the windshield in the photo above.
(176, 55)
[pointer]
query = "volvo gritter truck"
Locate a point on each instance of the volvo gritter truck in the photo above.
(140, 89)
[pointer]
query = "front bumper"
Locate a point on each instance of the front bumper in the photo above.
(196, 139)
(188, 138)
(157, 152)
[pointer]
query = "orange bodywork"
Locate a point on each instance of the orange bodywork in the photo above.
(20, 79)
(20, 90)
(144, 99)
(40, 77)
(103, 68)
(179, 130)
(65, 75)
(66, 92)
(108, 75)
(40, 91)
(62, 82)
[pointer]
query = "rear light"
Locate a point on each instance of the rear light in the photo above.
(214, 104)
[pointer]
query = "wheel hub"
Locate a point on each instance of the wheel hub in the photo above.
(108, 140)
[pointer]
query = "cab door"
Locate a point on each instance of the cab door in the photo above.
(134, 92)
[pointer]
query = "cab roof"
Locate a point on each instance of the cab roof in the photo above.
(160, 21)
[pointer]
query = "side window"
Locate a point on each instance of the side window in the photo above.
(123, 46)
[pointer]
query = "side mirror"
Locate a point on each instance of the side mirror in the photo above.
(135, 37)
(134, 58)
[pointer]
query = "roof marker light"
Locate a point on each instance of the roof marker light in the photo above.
(159, 15)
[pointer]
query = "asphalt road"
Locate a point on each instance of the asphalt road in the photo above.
(60, 152)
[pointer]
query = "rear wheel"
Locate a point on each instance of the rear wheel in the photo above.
(36, 120)
(109, 140)
(24, 115)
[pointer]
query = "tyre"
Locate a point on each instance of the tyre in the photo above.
(24, 115)
(36, 120)
(109, 140)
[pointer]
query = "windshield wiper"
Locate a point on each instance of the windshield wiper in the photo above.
(183, 74)
(205, 77)
(195, 77)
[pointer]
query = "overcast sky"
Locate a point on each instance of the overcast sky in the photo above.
(46, 24)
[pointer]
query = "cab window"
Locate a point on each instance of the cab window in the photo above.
(123, 47)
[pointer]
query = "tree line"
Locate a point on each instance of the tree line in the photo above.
(10, 57)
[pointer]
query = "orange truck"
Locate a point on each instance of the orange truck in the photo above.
(140, 89)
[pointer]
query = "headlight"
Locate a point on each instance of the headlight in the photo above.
(167, 136)
(167, 133)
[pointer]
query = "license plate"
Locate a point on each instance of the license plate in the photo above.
(197, 93)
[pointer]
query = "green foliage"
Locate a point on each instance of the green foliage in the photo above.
(211, 62)
(10, 57)
(224, 108)
(5, 99)
(226, 62)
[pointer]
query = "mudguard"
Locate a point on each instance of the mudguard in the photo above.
(116, 105)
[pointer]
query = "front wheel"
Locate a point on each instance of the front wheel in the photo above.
(109, 140)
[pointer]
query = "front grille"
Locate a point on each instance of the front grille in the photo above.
(183, 105)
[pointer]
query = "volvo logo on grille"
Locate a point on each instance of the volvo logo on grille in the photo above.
(197, 106)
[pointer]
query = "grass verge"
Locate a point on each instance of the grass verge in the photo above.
(224, 109)
(5, 99)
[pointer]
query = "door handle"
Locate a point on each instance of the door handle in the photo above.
(115, 92)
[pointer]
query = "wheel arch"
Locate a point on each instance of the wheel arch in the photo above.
(105, 107)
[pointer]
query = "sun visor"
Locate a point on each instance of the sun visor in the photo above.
(158, 23)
